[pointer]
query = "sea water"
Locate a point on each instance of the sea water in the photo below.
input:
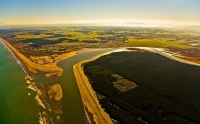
(17, 102)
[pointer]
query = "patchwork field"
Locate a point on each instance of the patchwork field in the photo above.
(133, 87)
(41, 41)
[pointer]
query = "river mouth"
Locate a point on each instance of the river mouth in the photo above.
(70, 108)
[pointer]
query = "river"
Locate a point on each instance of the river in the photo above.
(73, 110)
(18, 104)
(73, 106)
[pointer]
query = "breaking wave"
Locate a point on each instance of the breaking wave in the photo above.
(31, 85)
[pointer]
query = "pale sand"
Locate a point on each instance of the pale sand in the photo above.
(55, 92)
(39, 102)
(31, 87)
(50, 69)
(88, 95)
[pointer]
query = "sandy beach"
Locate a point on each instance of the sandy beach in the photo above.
(88, 95)
(50, 69)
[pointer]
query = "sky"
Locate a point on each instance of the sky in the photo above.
(102, 12)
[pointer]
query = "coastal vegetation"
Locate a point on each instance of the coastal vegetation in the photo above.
(99, 61)
(167, 91)
(130, 87)
(36, 43)
(50, 69)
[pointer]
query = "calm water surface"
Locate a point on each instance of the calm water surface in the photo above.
(73, 107)
(17, 104)
(72, 104)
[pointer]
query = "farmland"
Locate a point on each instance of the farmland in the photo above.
(133, 87)
(42, 41)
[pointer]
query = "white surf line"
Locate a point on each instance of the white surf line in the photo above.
(39, 101)
(87, 116)
(30, 86)
(13, 54)
(26, 72)
(17, 60)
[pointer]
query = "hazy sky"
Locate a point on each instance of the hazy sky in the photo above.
(98, 11)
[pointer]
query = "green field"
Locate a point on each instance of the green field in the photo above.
(157, 90)
(36, 41)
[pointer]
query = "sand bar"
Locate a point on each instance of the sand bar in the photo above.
(88, 95)
(49, 69)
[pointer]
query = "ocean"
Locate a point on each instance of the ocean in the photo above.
(20, 104)
(17, 103)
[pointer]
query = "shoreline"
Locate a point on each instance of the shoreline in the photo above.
(14, 56)
(49, 69)
(88, 94)
(91, 103)
(30, 84)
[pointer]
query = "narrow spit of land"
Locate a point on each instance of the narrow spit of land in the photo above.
(88, 95)
(99, 116)
(146, 68)
(49, 69)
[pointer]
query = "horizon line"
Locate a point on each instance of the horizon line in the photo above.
(115, 23)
